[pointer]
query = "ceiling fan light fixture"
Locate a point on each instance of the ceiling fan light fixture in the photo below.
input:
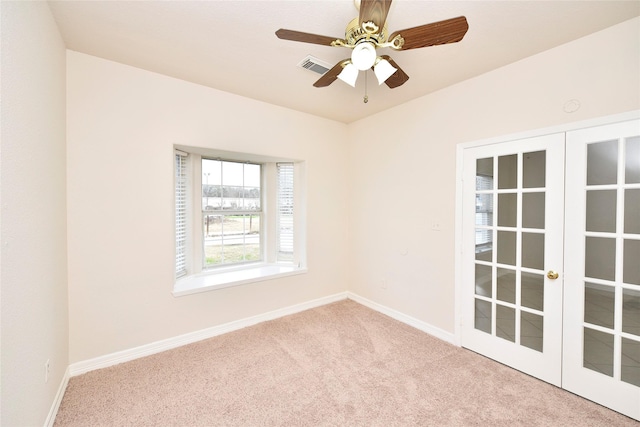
(383, 70)
(364, 55)
(349, 74)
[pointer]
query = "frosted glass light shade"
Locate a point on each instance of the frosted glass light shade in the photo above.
(363, 55)
(383, 70)
(349, 74)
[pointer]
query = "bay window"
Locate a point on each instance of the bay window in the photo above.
(239, 218)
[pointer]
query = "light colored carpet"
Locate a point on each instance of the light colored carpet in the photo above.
(337, 365)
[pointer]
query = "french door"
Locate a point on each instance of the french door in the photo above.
(513, 231)
(551, 259)
(602, 266)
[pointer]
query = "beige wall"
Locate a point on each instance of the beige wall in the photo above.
(120, 262)
(122, 124)
(404, 180)
(34, 323)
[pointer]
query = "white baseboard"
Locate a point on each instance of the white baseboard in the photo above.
(105, 361)
(112, 359)
(411, 321)
(58, 400)
(170, 343)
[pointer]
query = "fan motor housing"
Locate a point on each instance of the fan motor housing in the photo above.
(355, 33)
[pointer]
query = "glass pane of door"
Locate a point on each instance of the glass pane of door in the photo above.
(607, 320)
(509, 285)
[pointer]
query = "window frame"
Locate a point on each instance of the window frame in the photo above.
(200, 279)
(222, 212)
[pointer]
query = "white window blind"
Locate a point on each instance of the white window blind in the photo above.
(181, 213)
(285, 212)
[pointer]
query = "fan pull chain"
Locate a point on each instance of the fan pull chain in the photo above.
(366, 97)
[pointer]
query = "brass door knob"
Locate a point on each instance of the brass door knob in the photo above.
(553, 275)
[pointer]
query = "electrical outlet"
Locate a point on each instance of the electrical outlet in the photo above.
(47, 367)
(383, 283)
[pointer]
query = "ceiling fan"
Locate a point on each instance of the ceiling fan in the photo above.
(368, 32)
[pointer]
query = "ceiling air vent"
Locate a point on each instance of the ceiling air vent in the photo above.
(314, 64)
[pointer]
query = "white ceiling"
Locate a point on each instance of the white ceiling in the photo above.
(230, 44)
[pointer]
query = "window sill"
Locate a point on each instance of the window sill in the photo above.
(209, 281)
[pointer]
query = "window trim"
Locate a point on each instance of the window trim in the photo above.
(226, 278)
(200, 279)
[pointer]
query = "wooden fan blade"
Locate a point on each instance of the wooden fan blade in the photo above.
(299, 36)
(331, 75)
(398, 78)
(374, 11)
(442, 32)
